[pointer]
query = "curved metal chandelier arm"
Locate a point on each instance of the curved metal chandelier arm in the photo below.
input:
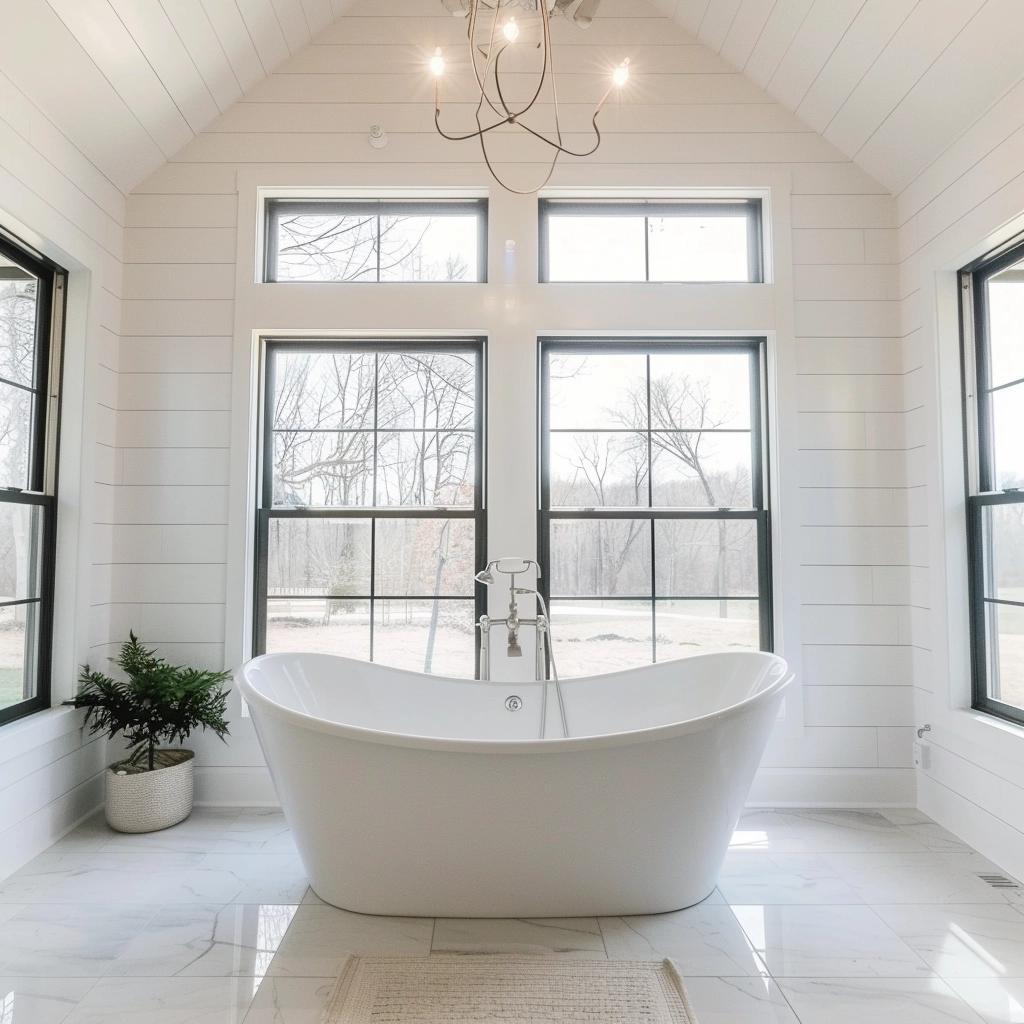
(497, 85)
(481, 80)
(463, 138)
(564, 149)
(486, 64)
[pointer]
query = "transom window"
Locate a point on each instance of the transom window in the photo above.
(653, 522)
(651, 240)
(994, 387)
(31, 311)
(361, 241)
(371, 516)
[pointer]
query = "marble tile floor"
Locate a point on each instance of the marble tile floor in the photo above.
(821, 917)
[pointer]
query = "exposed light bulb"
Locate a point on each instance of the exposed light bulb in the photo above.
(437, 63)
(620, 76)
(511, 30)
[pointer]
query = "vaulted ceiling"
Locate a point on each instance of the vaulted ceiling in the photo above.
(890, 82)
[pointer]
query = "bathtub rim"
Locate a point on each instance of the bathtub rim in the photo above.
(511, 746)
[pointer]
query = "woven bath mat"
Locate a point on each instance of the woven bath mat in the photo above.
(485, 989)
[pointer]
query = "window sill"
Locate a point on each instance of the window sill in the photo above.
(26, 734)
(1002, 725)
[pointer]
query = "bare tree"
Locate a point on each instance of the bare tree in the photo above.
(328, 247)
(365, 428)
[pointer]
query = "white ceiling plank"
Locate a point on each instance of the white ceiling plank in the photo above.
(746, 29)
(151, 29)
(717, 22)
(690, 13)
(292, 18)
(234, 37)
(931, 27)
(265, 30)
(103, 35)
(812, 48)
(80, 100)
(859, 48)
(318, 14)
(197, 35)
(39, 131)
(982, 62)
(777, 37)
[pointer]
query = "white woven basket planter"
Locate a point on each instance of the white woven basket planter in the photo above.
(150, 801)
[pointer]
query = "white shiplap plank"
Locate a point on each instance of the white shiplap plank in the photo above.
(92, 114)
(946, 99)
(291, 16)
(96, 26)
(717, 21)
(776, 38)
(862, 44)
(264, 29)
(236, 41)
(318, 15)
(155, 36)
(813, 45)
(194, 28)
(746, 30)
(928, 30)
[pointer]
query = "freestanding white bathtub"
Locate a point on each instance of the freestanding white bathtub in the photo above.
(419, 795)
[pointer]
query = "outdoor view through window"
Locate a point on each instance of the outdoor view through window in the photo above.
(371, 520)
(652, 500)
(366, 241)
(26, 511)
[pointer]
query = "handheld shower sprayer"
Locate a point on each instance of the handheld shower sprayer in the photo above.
(513, 567)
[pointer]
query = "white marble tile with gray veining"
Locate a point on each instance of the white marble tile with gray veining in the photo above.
(703, 940)
(574, 937)
(213, 941)
(980, 940)
(821, 831)
(69, 940)
(876, 1001)
(995, 1000)
(40, 1000)
(932, 877)
(291, 1001)
(827, 942)
(753, 876)
(738, 1001)
(165, 1001)
(319, 939)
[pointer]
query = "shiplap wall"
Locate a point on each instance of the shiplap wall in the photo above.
(687, 111)
(967, 201)
(56, 199)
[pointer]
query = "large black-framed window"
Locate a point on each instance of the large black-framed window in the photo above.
(651, 240)
(364, 241)
(653, 499)
(993, 354)
(32, 291)
(371, 517)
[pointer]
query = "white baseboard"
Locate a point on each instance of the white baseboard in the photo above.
(833, 787)
(774, 787)
(992, 837)
(244, 786)
(40, 830)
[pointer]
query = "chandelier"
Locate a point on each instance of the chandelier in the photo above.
(492, 31)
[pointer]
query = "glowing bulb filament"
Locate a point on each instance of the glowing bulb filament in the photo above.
(620, 76)
(437, 63)
(511, 30)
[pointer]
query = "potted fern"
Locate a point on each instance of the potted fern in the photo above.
(157, 704)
